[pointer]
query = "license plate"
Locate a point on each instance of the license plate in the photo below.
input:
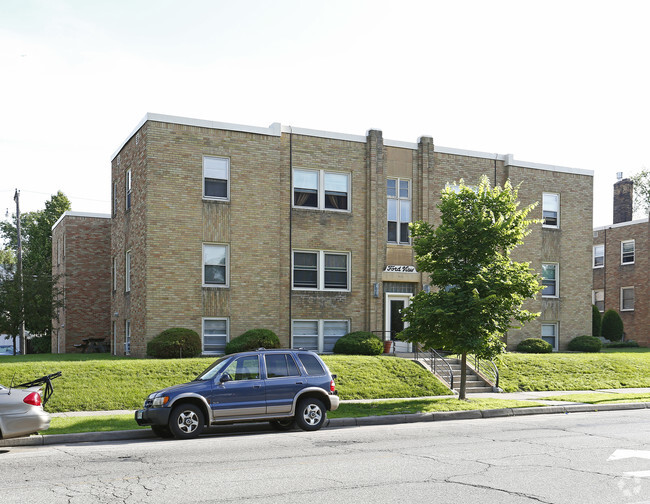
(138, 414)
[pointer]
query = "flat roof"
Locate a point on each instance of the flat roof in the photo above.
(276, 129)
(70, 213)
(622, 224)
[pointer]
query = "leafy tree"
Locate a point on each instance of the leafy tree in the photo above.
(596, 321)
(642, 191)
(480, 289)
(40, 295)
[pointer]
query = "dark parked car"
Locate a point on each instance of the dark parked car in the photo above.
(284, 387)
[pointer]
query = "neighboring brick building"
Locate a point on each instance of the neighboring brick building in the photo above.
(81, 247)
(621, 278)
(223, 228)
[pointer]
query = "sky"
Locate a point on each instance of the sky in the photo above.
(556, 82)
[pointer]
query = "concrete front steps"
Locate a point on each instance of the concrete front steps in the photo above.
(474, 382)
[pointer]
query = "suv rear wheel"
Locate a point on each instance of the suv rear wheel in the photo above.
(186, 421)
(311, 414)
(283, 424)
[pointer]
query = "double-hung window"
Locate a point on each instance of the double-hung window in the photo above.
(627, 252)
(398, 210)
(215, 335)
(216, 177)
(127, 337)
(114, 274)
(550, 280)
(128, 189)
(598, 299)
(318, 335)
(627, 298)
(215, 265)
(551, 210)
(127, 271)
(549, 334)
(599, 256)
(321, 270)
(321, 189)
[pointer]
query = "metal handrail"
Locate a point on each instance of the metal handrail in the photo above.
(490, 369)
(433, 357)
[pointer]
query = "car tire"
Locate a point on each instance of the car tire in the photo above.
(284, 424)
(162, 431)
(186, 421)
(311, 414)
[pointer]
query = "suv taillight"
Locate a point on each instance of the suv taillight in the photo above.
(34, 399)
(332, 386)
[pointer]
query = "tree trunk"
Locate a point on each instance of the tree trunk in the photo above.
(463, 376)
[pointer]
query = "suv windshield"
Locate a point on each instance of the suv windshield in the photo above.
(215, 368)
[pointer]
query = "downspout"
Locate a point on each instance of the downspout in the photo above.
(290, 230)
(495, 169)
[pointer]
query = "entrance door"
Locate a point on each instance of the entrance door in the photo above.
(394, 324)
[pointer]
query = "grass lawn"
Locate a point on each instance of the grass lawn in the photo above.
(600, 398)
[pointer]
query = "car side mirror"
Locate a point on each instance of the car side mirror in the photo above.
(225, 378)
(334, 377)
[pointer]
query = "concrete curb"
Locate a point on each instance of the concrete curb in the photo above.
(90, 437)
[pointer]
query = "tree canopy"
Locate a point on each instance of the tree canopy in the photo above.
(478, 290)
(642, 191)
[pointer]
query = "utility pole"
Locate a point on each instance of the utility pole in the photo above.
(21, 330)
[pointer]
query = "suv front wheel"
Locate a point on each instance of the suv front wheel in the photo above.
(311, 414)
(186, 421)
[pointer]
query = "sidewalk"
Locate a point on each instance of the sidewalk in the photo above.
(550, 407)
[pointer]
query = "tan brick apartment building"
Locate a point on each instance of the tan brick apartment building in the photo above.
(223, 228)
(81, 247)
(621, 279)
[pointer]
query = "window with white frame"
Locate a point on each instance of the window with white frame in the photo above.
(127, 271)
(114, 345)
(550, 280)
(128, 190)
(216, 177)
(215, 335)
(599, 256)
(551, 210)
(549, 334)
(627, 252)
(627, 298)
(398, 210)
(127, 337)
(114, 199)
(215, 265)
(318, 335)
(598, 299)
(321, 270)
(321, 189)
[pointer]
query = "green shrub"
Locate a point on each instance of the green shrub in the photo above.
(359, 343)
(40, 344)
(252, 340)
(596, 321)
(622, 344)
(612, 326)
(585, 344)
(534, 345)
(175, 342)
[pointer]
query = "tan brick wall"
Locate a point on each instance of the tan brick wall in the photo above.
(615, 275)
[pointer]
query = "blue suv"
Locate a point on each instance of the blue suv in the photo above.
(284, 387)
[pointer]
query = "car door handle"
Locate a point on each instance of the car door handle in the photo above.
(256, 386)
(298, 383)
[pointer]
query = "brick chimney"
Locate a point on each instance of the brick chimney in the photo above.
(623, 201)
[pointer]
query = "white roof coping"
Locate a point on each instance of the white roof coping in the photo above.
(70, 213)
(276, 129)
(622, 224)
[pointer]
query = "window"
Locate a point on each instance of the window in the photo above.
(311, 364)
(216, 176)
(280, 366)
(215, 335)
(127, 337)
(598, 299)
(127, 271)
(215, 265)
(128, 189)
(244, 368)
(549, 280)
(627, 299)
(599, 256)
(114, 273)
(551, 210)
(627, 252)
(114, 199)
(321, 189)
(398, 209)
(114, 337)
(549, 334)
(320, 270)
(318, 335)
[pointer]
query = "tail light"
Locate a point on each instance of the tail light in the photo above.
(34, 399)
(332, 386)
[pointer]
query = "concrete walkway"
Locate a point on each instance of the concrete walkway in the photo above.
(549, 407)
